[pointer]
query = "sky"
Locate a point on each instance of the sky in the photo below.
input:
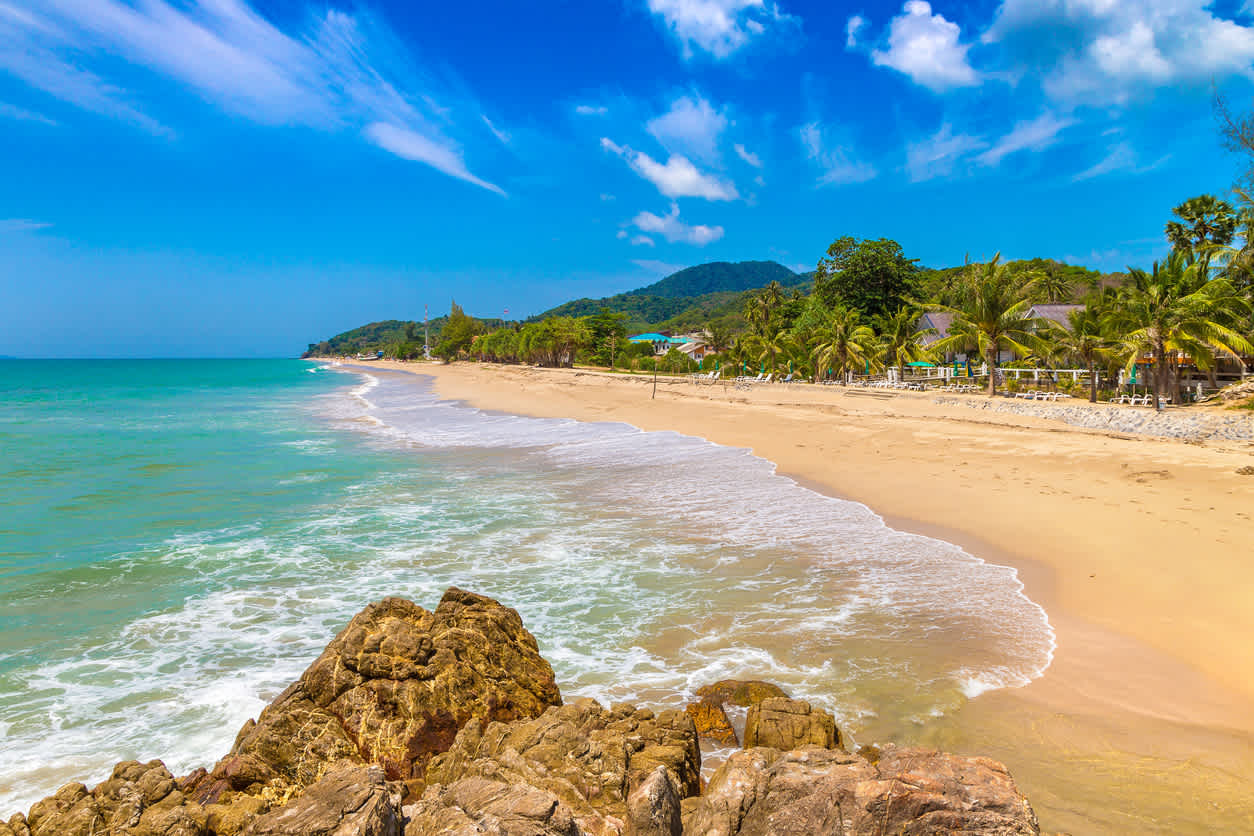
(235, 178)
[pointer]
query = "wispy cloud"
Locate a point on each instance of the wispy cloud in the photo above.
(677, 177)
(660, 268)
(748, 156)
(501, 135)
(939, 154)
(1120, 157)
(591, 110)
(340, 71)
(1030, 135)
(22, 225)
(692, 126)
(674, 230)
(837, 163)
(8, 111)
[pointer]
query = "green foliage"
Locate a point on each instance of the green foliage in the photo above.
(871, 276)
(720, 276)
(364, 340)
(457, 334)
(841, 343)
(1204, 221)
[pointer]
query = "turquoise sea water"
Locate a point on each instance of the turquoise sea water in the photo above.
(178, 540)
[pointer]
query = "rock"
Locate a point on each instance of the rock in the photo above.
(479, 805)
(350, 801)
(741, 692)
(916, 792)
(589, 757)
(710, 721)
(138, 799)
(392, 689)
(781, 723)
(653, 809)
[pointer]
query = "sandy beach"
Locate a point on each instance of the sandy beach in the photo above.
(1138, 548)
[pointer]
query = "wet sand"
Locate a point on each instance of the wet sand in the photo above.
(1139, 549)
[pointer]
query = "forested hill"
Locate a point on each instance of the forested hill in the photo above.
(689, 298)
(719, 276)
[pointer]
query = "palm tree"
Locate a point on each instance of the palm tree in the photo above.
(718, 337)
(1175, 310)
(992, 317)
(901, 340)
(1051, 287)
(1085, 341)
(841, 341)
(1204, 220)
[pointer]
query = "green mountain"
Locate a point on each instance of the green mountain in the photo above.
(689, 298)
(719, 276)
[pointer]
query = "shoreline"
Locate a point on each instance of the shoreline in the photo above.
(1169, 711)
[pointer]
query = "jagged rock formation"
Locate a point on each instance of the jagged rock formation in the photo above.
(415, 722)
(392, 689)
(781, 723)
(709, 712)
(914, 792)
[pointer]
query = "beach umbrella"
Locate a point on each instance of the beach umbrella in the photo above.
(1134, 374)
(699, 362)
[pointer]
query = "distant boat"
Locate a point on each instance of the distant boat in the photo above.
(376, 356)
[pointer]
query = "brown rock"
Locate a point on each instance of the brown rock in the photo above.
(785, 724)
(741, 692)
(136, 800)
(350, 801)
(589, 757)
(711, 721)
(915, 792)
(391, 689)
(473, 806)
(653, 809)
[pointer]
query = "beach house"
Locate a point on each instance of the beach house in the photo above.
(662, 343)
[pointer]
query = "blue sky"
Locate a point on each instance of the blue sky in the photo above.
(226, 178)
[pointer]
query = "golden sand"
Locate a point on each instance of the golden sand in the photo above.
(1141, 550)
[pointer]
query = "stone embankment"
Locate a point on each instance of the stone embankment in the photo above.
(1188, 423)
(450, 722)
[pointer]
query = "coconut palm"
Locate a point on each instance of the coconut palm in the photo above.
(1204, 220)
(901, 340)
(1086, 342)
(718, 337)
(1050, 287)
(1173, 310)
(841, 342)
(992, 317)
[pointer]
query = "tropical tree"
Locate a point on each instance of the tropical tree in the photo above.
(1085, 342)
(871, 276)
(841, 342)
(1204, 221)
(901, 340)
(992, 317)
(1173, 310)
(718, 337)
(1050, 287)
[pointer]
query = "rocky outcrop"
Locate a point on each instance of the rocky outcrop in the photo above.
(781, 723)
(350, 801)
(589, 757)
(392, 689)
(138, 799)
(415, 722)
(710, 715)
(915, 792)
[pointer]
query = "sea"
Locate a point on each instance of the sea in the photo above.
(180, 539)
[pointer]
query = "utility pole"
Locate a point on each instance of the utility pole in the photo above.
(426, 334)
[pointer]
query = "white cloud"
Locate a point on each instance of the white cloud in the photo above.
(1120, 157)
(719, 27)
(21, 225)
(503, 137)
(677, 177)
(409, 145)
(926, 47)
(1032, 135)
(691, 126)
(621, 235)
(673, 229)
(591, 110)
(9, 111)
(340, 71)
(937, 155)
(1105, 52)
(853, 26)
(642, 241)
(836, 163)
(748, 156)
(605, 196)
